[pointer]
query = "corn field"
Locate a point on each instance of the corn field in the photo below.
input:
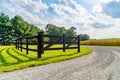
(106, 42)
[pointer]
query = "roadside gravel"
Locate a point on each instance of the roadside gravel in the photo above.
(102, 64)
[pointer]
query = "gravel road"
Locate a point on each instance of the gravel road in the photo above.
(102, 64)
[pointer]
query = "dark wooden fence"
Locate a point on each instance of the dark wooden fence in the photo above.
(40, 43)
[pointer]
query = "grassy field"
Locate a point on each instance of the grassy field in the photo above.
(107, 42)
(12, 59)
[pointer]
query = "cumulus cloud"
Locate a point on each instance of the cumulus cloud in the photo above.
(97, 9)
(71, 15)
(112, 8)
(105, 1)
(101, 25)
(88, 16)
(28, 9)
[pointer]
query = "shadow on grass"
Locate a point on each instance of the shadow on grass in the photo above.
(22, 54)
(19, 61)
(2, 58)
(13, 56)
(45, 58)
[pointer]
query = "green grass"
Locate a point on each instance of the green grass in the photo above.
(12, 59)
(107, 42)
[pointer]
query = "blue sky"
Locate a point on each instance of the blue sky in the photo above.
(98, 18)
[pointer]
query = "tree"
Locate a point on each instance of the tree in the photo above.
(5, 30)
(20, 26)
(84, 37)
(70, 32)
(54, 30)
(59, 31)
(23, 28)
(17, 27)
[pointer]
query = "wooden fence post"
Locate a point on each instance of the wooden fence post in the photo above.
(20, 44)
(64, 41)
(27, 44)
(16, 43)
(40, 44)
(78, 43)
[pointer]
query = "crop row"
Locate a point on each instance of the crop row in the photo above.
(109, 42)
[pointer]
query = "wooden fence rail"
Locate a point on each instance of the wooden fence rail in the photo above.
(40, 43)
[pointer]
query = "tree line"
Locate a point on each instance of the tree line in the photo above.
(16, 27)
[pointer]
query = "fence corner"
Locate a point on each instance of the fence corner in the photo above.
(40, 45)
(78, 43)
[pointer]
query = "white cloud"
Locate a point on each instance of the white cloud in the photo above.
(97, 9)
(79, 15)
(105, 1)
(67, 13)
(33, 6)
(101, 17)
(74, 16)
(28, 9)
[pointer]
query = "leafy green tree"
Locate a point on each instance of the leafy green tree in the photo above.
(70, 32)
(17, 27)
(23, 28)
(84, 37)
(5, 30)
(20, 26)
(59, 31)
(54, 30)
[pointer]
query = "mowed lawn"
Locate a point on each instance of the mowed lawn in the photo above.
(12, 59)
